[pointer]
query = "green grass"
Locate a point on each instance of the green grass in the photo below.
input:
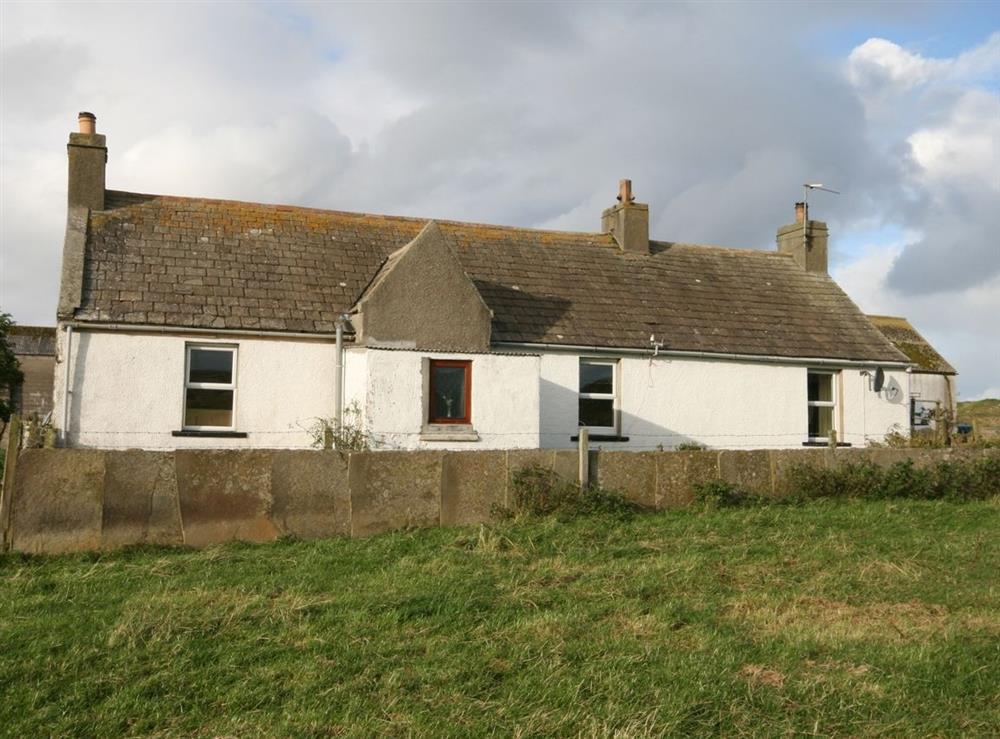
(987, 408)
(828, 619)
(985, 414)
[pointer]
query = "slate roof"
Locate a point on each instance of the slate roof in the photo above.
(909, 341)
(193, 262)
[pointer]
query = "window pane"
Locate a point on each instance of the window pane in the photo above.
(597, 412)
(208, 408)
(820, 387)
(211, 366)
(596, 378)
(820, 422)
(449, 392)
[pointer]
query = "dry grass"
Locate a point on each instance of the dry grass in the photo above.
(823, 619)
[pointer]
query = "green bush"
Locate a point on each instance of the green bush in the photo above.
(722, 494)
(598, 501)
(537, 491)
(903, 480)
(952, 480)
(848, 481)
(969, 480)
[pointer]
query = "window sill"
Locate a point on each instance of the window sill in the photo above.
(601, 437)
(448, 432)
(825, 443)
(211, 434)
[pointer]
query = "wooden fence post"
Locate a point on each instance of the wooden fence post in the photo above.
(7, 486)
(584, 454)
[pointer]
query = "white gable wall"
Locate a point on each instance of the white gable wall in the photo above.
(933, 388)
(869, 416)
(932, 392)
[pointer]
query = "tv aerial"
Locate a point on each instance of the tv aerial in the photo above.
(805, 207)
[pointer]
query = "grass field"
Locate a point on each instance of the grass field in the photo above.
(984, 413)
(826, 619)
(969, 409)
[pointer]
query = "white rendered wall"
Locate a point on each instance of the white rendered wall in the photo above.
(355, 385)
(127, 390)
(933, 388)
(716, 403)
(868, 416)
(505, 393)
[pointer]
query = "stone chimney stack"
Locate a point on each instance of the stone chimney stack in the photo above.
(627, 221)
(88, 157)
(805, 240)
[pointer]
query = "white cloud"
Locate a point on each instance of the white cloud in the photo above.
(961, 325)
(964, 150)
(880, 68)
(880, 64)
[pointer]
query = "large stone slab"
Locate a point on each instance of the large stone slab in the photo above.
(140, 500)
(748, 470)
(518, 459)
(566, 464)
(784, 460)
(889, 457)
(837, 458)
(57, 500)
(224, 495)
(960, 453)
(922, 458)
(310, 493)
(677, 473)
(472, 484)
(631, 473)
(394, 490)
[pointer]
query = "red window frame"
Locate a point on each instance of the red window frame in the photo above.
(465, 364)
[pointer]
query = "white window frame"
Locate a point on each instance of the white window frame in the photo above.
(188, 385)
(834, 376)
(613, 396)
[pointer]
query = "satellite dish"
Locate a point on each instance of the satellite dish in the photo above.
(879, 379)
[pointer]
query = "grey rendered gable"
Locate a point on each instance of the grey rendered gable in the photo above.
(422, 298)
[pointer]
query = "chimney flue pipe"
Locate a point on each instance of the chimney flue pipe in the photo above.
(88, 123)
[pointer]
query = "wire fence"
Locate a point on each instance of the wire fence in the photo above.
(389, 439)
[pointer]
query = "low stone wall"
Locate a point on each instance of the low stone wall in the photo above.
(65, 500)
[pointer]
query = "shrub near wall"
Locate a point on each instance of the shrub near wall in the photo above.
(962, 480)
(82, 499)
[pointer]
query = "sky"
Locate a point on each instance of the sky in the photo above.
(529, 114)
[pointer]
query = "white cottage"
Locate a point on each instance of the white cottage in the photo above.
(187, 322)
(932, 379)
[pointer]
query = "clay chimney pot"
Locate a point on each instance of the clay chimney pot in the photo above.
(88, 123)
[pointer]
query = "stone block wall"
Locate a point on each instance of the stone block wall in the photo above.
(66, 500)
